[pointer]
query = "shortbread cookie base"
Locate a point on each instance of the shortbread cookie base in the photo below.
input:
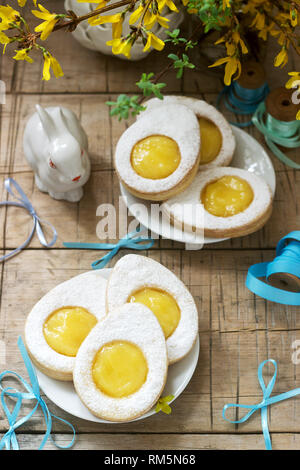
(86, 290)
(202, 109)
(160, 122)
(134, 272)
(244, 223)
(163, 196)
(137, 324)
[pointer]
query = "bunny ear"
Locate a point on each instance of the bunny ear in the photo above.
(47, 123)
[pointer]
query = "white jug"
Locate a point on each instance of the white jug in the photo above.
(95, 37)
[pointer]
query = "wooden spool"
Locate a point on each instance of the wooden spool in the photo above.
(280, 106)
(253, 75)
(285, 281)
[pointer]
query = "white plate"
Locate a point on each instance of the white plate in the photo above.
(63, 393)
(249, 155)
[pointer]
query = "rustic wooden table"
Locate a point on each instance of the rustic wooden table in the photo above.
(237, 329)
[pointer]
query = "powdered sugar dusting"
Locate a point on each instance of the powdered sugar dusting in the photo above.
(175, 121)
(134, 272)
(202, 109)
(261, 201)
(137, 324)
(86, 290)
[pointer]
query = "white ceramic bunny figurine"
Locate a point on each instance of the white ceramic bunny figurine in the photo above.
(55, 146)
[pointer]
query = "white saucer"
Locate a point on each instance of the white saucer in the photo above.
(63, 393)
(249, 155)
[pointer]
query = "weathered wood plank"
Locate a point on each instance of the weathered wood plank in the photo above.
(111, 442)
(78, 222)
(237, 332)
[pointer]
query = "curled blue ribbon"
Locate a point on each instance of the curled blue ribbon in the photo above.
(287, 261)
(23, 202)
(263, 405)
(242, 101)
(9, 440)
(278, 134)
(130, 241)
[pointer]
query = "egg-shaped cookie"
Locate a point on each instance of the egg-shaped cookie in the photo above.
(233, 203)
(158, 156)
(217, 139)
(138, 279)
(121, 367)
(60, 321)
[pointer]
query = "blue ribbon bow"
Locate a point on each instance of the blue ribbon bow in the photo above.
(23, 202)
(242, 101)
(9, 440)
(129, 241)
(286, 261)
(263, 405)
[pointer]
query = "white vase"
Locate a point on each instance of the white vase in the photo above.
(95, 37)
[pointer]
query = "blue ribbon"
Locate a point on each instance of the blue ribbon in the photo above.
(287, 261)
(129, 241)
(242, 101)
(278, 133)
(263, 405)
(23, 202)
(9, 440)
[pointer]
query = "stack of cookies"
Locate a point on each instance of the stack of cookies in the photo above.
(179, 152)
(114, 339)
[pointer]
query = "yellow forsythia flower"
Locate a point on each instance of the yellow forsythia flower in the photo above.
(50, 20)
(233, 66)
(8, 15)
(154, 41)
(238, 40)
(226, 4)
(259, 21)
(22, 3)
(292, 83)
(101, 3)
(150, 22)
(282, 58)
(263, 34)
(4, 40)
(116, 21)
(22, 54)
(120, 46)
(136, 14)
(169, 3)
(51, 62)
(163, 404)
(294, 17)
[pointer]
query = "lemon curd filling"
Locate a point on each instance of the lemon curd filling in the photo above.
(155, 157)
(119, 369)
(66, 328)
(211, 140)
(163, 306)
(227, 196)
